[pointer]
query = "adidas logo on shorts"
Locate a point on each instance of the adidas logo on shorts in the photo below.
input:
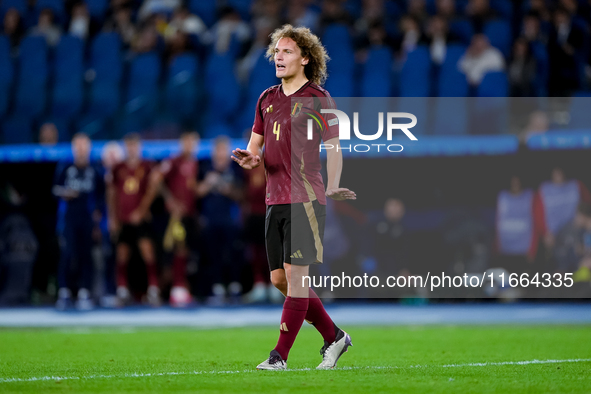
(297, 255)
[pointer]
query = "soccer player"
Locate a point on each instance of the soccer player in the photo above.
(177, 180)
(80, 187)
(128, 217)
(296, 201)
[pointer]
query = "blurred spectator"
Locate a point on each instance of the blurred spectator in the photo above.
(410, 35)
(479, 12)
(437, 36)
(522, 70)
(129, 217)
(120, 22)
(267, 10)
(220, 187)
(185, 22)
(299, 13)
(372, 14)
(46, 28)
(254, 228)
(263, 29)
(446, 9)
(480, 58)
(177, 178)
(111, 156)
(13, 27)
(48, 134)
(538, 123)
(517, 234)
(532, 29)
(417, 9)
(566, 42)
(334, 12)
(80, 22)
(560, 198)
(540, 8)
(177, 44)
(151, 7)
(145, 40)
(391, 239)
(572, 243)
(80, 187)
(229, 30)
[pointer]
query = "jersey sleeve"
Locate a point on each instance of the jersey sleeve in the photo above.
(331, 129)
(258, 126)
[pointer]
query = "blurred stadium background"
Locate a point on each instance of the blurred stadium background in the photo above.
(163, 67)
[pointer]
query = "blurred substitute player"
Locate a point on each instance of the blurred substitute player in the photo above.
(80, 187)
(296, 200)
(176, 178)
(128, 205)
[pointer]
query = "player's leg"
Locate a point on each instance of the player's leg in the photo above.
(85, 265)
(295, 308)
(66, 241)
(279, 280)
(274, 241)
(122, 256)
(146, 248)
(336, 341)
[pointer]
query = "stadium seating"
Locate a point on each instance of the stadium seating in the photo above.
(68, 66)
(106, 67)
(222, 88)
(415, 78)
(6, 75)
(205, 9)
(452, 82)
(57, 6)
(337, 41)
(377, 73)
(19, 5)
(97, 9)
(142, 88)
(494, 84)
(491, 106)
(499, 35)
(181, 86)
(462, 29)
(32, 77)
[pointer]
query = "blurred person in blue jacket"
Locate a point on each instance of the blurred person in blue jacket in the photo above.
(220, 187)
(79, 184)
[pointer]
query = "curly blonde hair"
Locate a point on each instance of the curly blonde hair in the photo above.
(309, 45)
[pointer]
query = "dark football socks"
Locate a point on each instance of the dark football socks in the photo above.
(318, 317)
(179, 271)
(152, 274)
(122, 274)
(292, 318)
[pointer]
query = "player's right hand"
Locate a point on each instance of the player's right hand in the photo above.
(246, 159)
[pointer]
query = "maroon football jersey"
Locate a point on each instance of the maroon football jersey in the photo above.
(130, 185)
(292, 161)
(180, 176)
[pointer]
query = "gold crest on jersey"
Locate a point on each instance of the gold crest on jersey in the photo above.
(269, 109)
(295, 111)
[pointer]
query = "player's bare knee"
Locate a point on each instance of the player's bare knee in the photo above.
(279, 280)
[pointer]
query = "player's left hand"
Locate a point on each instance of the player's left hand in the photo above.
(340, 194)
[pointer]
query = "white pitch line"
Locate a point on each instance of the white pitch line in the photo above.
(142, 375)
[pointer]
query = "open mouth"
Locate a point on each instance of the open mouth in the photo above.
(280, 67)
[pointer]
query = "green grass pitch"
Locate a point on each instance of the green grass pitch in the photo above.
(412, 359)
